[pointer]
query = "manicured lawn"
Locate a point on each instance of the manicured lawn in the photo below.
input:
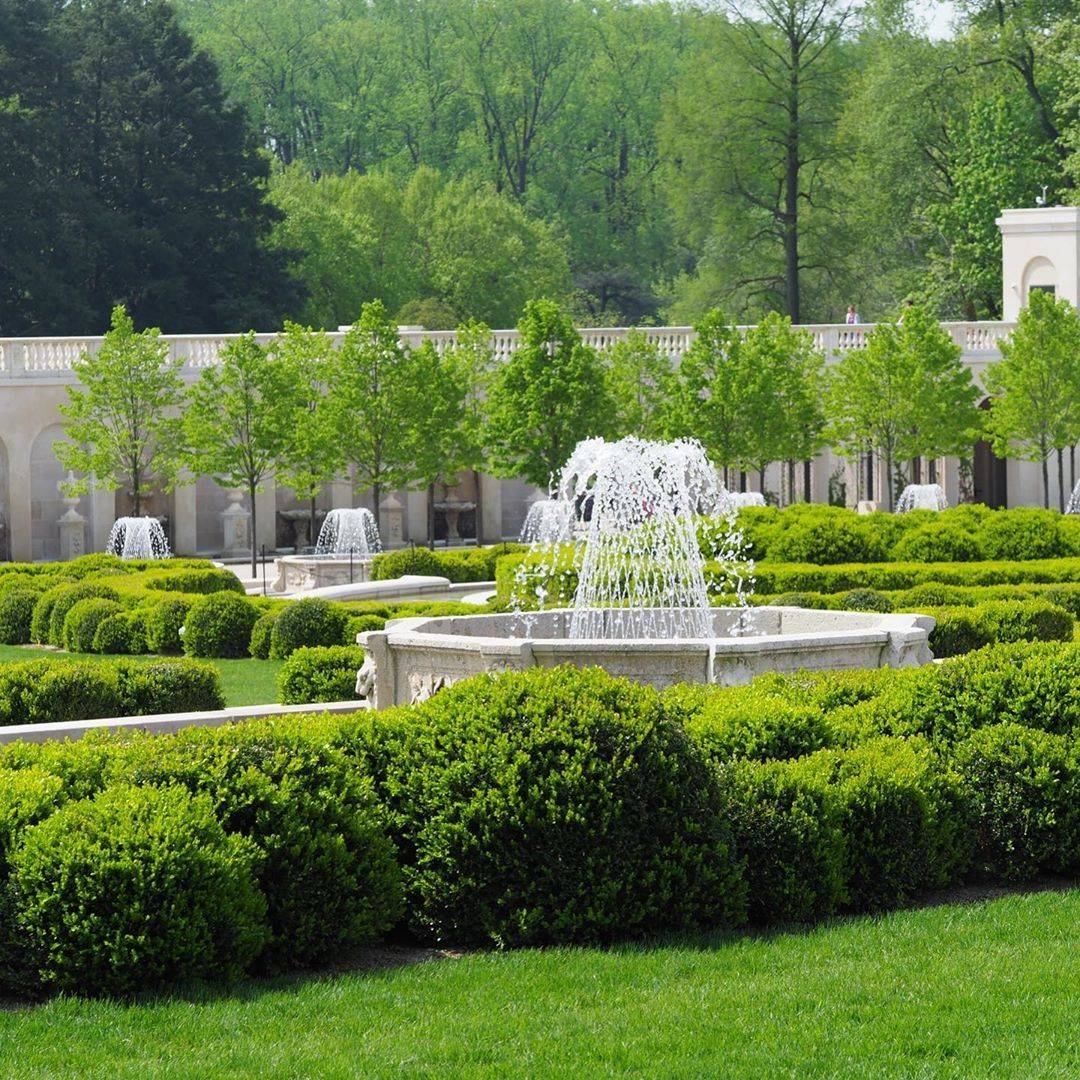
(971, 990)
(244, 682)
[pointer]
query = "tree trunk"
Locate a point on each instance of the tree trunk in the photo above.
(806, 480)
(136, 493)
(478, 481)
(254, 534)
(376, 491)
(1061, 479)
(1046, 479)
(312, 535)
(791, 190)
(742, 480)
(790, 481)
(889, 497)
(431, 516)
(761, 478)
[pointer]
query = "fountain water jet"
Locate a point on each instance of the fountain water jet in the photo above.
(349, 531)
(922, 497)
(736, 500)
(138, 538)
(1073, 505)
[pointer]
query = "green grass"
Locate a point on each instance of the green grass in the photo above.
(244, 682)
(969, 990)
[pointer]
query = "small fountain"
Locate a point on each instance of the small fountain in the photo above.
(138, 538)
(349, 532)
(348, 540)
(548, 521)
(736, 500)
(922, 497)
(1073, 505)
(641, 607)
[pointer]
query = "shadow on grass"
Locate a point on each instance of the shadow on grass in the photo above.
(381, 961)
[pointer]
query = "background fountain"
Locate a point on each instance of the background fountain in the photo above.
(922, 497)
(349, 531)
(641, 608)
(138, 538)
(1073, 505)
(548, 521)
(736, 500)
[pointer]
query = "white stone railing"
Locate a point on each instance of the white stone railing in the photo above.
(54, 358)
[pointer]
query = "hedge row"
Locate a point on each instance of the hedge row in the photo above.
(459, 565)
(528, 808)
(60, 691)
(825, 535)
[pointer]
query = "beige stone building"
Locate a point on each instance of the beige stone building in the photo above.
(1041, 250)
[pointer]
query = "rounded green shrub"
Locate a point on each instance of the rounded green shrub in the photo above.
(864, 600)
(16, 615)
(1024, 796)
(136, 888)
(82, 621)
(328, 869)
(170, 686)
(788, 835)
(319, 673)
(552, 805)
(311, 621)
(39, 621)
(359, 624)
(930, 594)
(68, 597)
(259, 645)
(123, 633)
(163, 622)
(411, 560)
(825, 540)
(209, 580)
(70, 690)
(1024, 533)
(219, 625)
(937, 543)
(799, 599)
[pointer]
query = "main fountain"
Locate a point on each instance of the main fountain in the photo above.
(138, 538)
(642, 606)
(348, 540)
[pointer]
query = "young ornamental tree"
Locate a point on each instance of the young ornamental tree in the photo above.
(123, 420)
(639, 378)
(1036, 408)
(240, 418)
(905, 395)
(312, 456)
(375, 404)
(546, 398)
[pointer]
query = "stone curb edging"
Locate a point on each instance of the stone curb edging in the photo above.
(167, 723)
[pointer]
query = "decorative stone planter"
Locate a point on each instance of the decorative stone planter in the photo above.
(411, 659)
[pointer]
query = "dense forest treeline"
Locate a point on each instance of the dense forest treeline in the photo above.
(216, 164)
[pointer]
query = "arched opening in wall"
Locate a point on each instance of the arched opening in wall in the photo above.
(1039, 276)
(46, 502)
(988, 476)
(5, 508)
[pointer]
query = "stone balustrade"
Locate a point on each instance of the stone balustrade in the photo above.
(53, 359)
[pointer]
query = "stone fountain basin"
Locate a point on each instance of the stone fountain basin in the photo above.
(301, 572)
(411, 659)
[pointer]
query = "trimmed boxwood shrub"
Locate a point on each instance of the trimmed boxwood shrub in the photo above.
(259, 645)
(163, 622)
(411, 560)
(39, 622)
(328, 870)
(319, 673)
(864, 600)
(67, 598)
(359, 624)
(901, 813)
(136, 888)
(70, 690)
(1024, 796)
(787, 833)
(551, 805)
(826, 540)
(171, 686)
(1024, 533)
(210, 580)
(311, 621)
(937, 543)
(16, 615)
(961, 630)
(82, 621)
(123, 633)
(219, 625)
